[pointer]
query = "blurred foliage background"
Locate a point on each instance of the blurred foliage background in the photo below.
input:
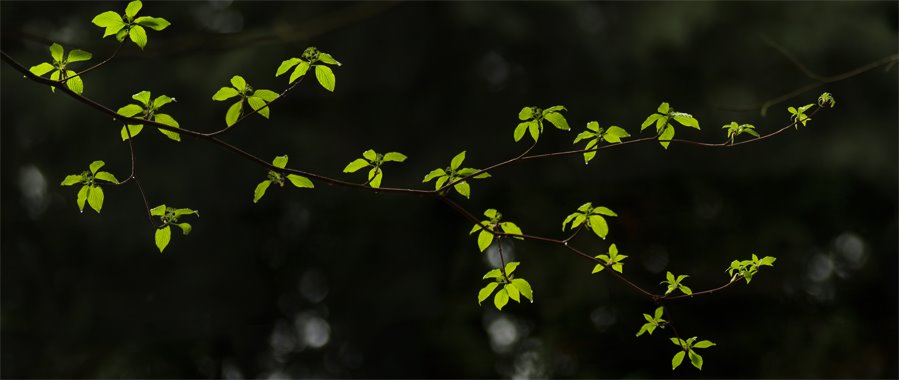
(340, 283)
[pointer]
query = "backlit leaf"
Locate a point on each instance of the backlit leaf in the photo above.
(138, 35)
(95, 198)
(484, 240)
(300, 181)
(155, 23)
(486, 291)
(325, 77)
(163, 235)
(357, 164)
(41, 69)
(260, 190)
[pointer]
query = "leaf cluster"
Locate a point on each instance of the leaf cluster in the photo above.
(58, 68)
(278, 179)
(798, 116)
(257, 99)
(652, 321)
(734, 130)
(593, 216)
(148, 110)
(594, 134)
(688, 347)
(168, 216)
(453, 174)
(532, 121)
(662, 119)
(512, 287)
(492, 226)
(129, 25)
(372, 159)
(311, 57)
(748, 268)
(90, 190)
(613, 259)
(675, 284)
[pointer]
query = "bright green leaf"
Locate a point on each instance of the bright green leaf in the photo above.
(286, 65)
(158, 210)
(524, 288)
(82, 196)
(511, 266)
(163, 235)
(155, 23)
(374, 176)
(96, 165)
(300, 181)
(395, 157)
(185, 228)
(132, 9)
(162, 100)
(72, 179)
(260, 190)
(520, 129)
(677, 359)
(357, 164)
(457, 160)
(267, 95)
(225, 93)
(233, 113)
(170, 121)
(130, 110)
(41, 69)
(650, 120)
(138, 35)
(434, 174)
(185, 211)
(74, 83)
(557, 120)
(666, 136)
(525, 114)
(78, 55)
(106, 176)
(703, 344)
(511, 228)
(534, 129)
(143, 97)
(56, 51)
(299, 71)
(501, 299)
(239, 83)
(463, 189)
(370, 155)
(110, 20)
(486, 291)
(258, 105)
(493, 273)
(687, 120)
(280, 161)
(95, 198)
(513, 292)
(484, 239)
(599, 226)
(598, 268)
(325, 77)
(604, 211)
(132, 129)
(695, 359)
(327, 58)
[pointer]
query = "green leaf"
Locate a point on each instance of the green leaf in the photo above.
(486, 291)
(162, 100)
(225, 93)
(163, 235)
(267, 95)
(185, 228)
(233, 113)
(599, 226)
(395, 157)
(557, 120)
(513, 292)
(598, 268)
(501, 299)
(299, 71)
(649, 121)
(133, 129)
(704, 344)
(170, 121)
(686, 119)
(370, 155)
(78, 55)
(696, 360)
(300, 181)
(239, 83)
(493, 273)
(525, 114)
(130, 110)
(138, 35)
(258, 105)
(524, 288)
(511, 228)
(686, 290)
(158, 210)
(143, 97)
(280, 161)
(327, 58)
(375, 175)
(434, 174)
(132, 9)
(768, 260)
(74, 83)
(535, 128)
(604, 211)
(663, 108)
(491, 213)
(357, 164)
(325, 77)
(463, 189)
(155, 23)
(677, 359)
(95, 198)
(54, 76)
(614, 134)
(520, 129)
(185, 211)
(72, 179)
(511, 266)
(457, 160)
(82, 196)
(121, 34)
(441, 181)
(96, 165)
(56, 51)
(484, 239)
(109, 20)
(106, 176)
(584, 135)
(286, 65)
(666, 136)
(260, 190)
(41, 69)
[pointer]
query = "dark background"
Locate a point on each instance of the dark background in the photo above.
(335, 282)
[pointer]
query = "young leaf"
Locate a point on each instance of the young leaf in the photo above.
(325, 77)
(163, 235)
(74, 83)
(132, 129)
(72, 179)
(557, 120)
(524, 288)
(374, 176)
(138, 35)
(267, 95)
(158, 210)
(484, 239)
(463, 189)
(394, 156)
(457, 160)
(666, 136)
(286, 65)
(233, 113)
(82, 196)
(132, 9)
(78, 55)
(300, 181)
(434, 174)
(677, 359)
(106, 176)
(110, 20)
(520, 129)
(327, 58)
(143, 97)
(260, 190)
(162, 100)
(486, 291)
(224, 93)
(513, 292)
(357, 164)
(185, 228)
(258, 105)
(239, 83)
(599, 226)
(510, 267)
(299, 71)
(41, 68)
(501, 299)
(170, 121)
(155, 23)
